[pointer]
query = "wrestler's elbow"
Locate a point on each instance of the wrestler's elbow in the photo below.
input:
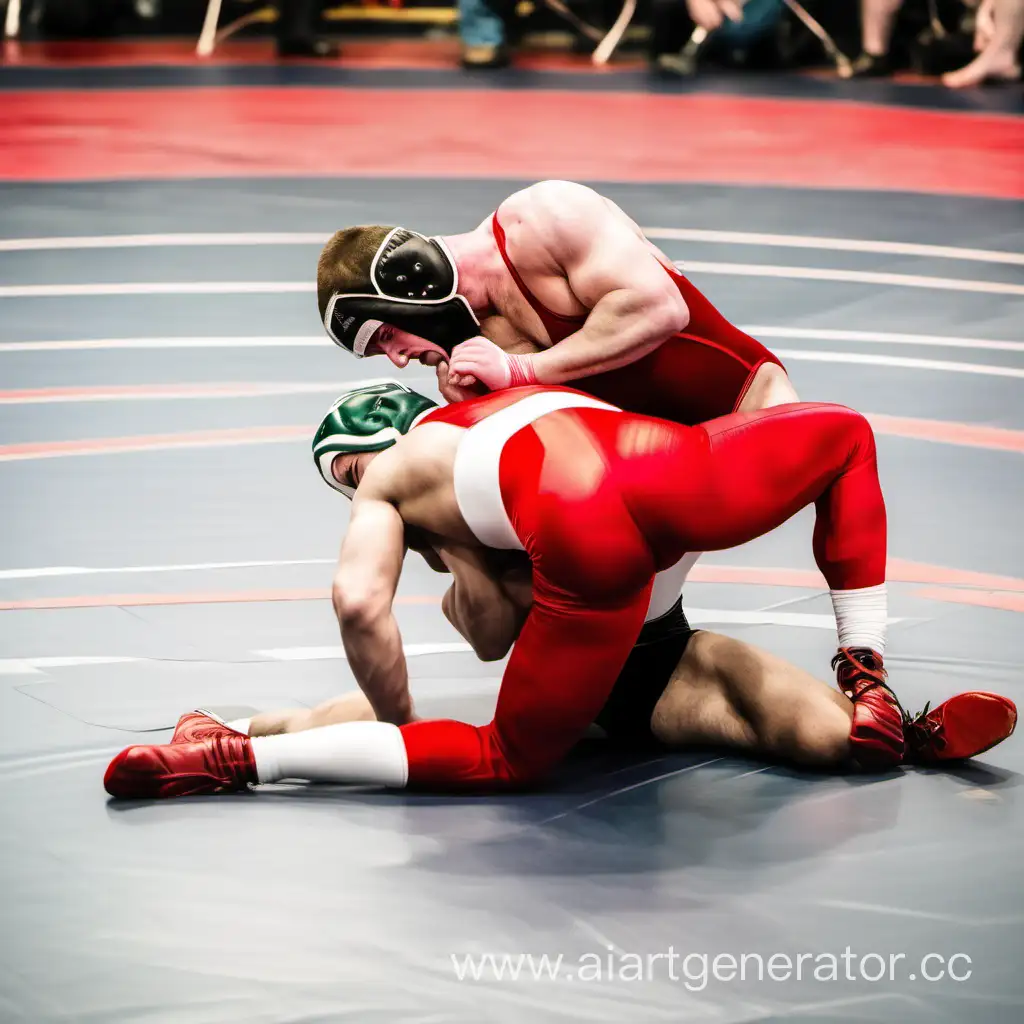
(487, 644)
(359, 607)
(668, 313)
(488, 648)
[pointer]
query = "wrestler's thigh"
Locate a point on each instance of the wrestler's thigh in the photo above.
(725, 691)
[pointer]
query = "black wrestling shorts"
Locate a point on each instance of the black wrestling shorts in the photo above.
(626, 715)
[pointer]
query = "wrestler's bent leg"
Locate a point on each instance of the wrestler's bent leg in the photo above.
(725, 692)
(759, 469)
(754, 472)
(559, 676)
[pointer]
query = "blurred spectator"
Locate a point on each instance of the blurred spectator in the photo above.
(727, 33)
(296, 35)
(483, 32)
(877, 20)
(709, 14)
(998, 33)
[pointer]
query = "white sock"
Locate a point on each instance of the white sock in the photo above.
(240, 725)
(861, 617)
(356, 753)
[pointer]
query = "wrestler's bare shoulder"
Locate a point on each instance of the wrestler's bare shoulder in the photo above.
(564, 215)
(417, 476)
(421, 458)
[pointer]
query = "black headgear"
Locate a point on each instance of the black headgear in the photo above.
(411, 283)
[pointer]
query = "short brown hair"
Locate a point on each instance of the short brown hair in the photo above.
(344, 264)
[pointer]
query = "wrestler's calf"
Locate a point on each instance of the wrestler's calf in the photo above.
(725, 692)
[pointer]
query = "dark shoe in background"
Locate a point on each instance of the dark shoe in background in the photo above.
(308, 46)
(484, 57)
(867, 65)
(297, 25)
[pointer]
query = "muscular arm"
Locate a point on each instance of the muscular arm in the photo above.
(634, 304)
(478, 605)
(364, 589)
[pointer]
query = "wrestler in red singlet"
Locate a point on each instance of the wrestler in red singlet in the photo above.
(696, 375)
(601, 500)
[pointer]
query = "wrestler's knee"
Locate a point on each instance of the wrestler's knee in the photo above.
(506, 764)
(858, 432)
(356, 603)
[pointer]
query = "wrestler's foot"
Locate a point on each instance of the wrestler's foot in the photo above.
(963, 726)
(876, 735)
(990, 66)
(196, 726)
(223, 763)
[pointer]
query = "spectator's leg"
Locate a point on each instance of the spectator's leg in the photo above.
(296, 35)
(877, 18)
(998, 60)
(483, 35)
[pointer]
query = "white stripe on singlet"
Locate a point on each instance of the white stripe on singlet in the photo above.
(477, 483)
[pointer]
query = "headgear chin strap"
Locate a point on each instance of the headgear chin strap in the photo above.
(412, 283)
(371, 416)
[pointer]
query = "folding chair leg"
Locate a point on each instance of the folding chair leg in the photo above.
(606, 47)
(12, 19)
(208, 36)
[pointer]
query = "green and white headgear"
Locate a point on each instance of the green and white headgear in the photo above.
(369, 417)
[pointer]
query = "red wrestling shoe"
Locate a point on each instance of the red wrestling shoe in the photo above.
(222, 763)
(963, 726)
(196, 726)
(876, 735)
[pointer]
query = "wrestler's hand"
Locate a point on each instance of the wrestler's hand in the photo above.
(453, 393)
(481, 360)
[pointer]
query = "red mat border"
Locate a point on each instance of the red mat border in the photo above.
(594, 136)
